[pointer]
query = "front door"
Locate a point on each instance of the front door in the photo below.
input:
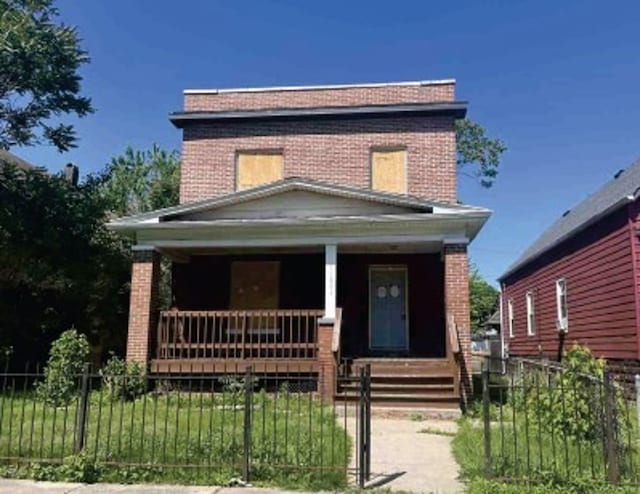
(388, 309)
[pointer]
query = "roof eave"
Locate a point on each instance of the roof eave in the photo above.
(623, 201)
(478, 217)
(455, 109)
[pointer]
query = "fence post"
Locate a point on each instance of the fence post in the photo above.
(364, 426)
(638, 400)
(81, 417)
(486, 415)
(367, 425)
(248, 404)
(610, 433)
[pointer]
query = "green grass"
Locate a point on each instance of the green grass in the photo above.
(481, 486)
(178, 438)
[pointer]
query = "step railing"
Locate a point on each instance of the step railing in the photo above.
(452, 333)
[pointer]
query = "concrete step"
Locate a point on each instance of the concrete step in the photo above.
(432, 400)
(401, 388)
(409, 379)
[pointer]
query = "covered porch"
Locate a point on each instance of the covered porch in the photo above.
(353, 275)
(267, 305)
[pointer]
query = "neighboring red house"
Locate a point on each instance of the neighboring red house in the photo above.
(580, 281)
(318, 228)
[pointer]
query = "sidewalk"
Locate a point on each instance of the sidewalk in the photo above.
(8, 486)
(406, 457)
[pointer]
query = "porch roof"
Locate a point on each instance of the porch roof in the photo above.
(367, 213)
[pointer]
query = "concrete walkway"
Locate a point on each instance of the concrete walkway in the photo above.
(405, 457)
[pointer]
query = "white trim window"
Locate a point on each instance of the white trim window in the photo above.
(510, 317)
(531, 316)
(561, 305)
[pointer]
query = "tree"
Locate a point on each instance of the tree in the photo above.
(483, 299)
(475, 148)
(39, 80)
(139, 181)
(59, 265)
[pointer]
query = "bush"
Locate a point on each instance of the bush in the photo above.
(75, 468)
(571, 401)
(123, 381)
(67, 357)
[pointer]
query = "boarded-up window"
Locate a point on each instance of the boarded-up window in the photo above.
(255, 285)
(388, 170)
(257, 168)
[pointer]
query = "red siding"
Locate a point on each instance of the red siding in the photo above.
(634, 229)
(597, 265)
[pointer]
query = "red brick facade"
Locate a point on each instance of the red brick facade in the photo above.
(429, 92)
(335, 151)
(144, 295)
(456, 266)
(331, 150)
(326, 361)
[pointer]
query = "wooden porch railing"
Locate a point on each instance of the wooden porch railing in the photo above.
(245, 334)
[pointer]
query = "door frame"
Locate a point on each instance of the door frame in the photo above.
(390, 267)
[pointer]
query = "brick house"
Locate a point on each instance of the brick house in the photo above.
(317, 227)
(579, 282)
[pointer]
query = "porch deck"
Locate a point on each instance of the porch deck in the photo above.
(285, 342)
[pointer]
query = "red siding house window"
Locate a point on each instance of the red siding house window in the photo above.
(531, 316)
(561, 304)
(510, 317)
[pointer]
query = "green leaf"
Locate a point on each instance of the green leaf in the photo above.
(477, 151)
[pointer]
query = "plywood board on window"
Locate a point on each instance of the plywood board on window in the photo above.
(254, 168)
(388, 170)
(255, 285)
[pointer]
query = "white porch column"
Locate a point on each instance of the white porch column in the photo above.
(330, 281)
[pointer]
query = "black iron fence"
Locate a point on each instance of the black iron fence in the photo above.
(235, 425)
(543, 421)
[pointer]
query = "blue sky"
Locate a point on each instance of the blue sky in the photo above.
(559, 82)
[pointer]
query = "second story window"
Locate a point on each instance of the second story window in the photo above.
(389, 169)
(255, 168)
(510, 317)
(561, 305)
(531, 316)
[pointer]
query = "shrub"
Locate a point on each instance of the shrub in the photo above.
(572, 400)
(123, 381)
(234, 387)
(75, 468)
(67, 357)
